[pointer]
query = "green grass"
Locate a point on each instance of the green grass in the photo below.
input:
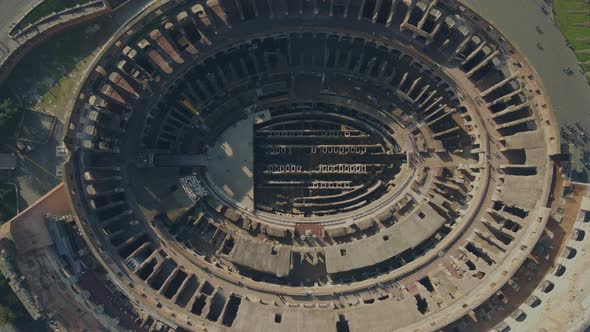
(47, 8)
(46, 77)
(573, 18)
(7, 202)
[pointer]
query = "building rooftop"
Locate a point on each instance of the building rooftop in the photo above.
(8, 161)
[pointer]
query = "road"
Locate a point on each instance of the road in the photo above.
(517, 20)
(10, 12)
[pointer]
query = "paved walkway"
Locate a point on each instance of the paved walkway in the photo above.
(11, 11)
(517, 19)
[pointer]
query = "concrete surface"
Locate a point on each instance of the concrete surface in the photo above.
(10, 12)
(230, 163)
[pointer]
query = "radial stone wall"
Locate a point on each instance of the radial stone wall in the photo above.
(398, 170)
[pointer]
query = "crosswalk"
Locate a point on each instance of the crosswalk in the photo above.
(61, 154)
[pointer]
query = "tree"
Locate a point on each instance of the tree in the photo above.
(8, 110)
(6, 315)
(11, 309)
(9, 115)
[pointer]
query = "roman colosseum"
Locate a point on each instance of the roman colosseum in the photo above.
(318, 165)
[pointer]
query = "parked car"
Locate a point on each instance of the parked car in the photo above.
(24, 148)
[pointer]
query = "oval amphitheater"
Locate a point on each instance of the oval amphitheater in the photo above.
(298, 165)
